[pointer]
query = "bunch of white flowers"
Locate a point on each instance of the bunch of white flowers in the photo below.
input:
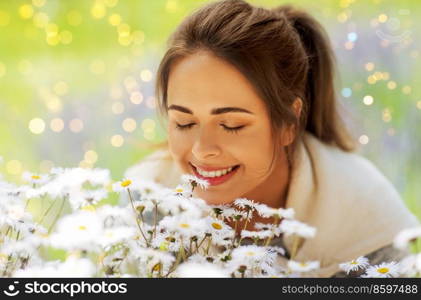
(160, 232)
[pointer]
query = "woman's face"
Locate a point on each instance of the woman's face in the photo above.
(218, 122)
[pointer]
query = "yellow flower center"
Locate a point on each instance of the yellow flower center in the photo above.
(126, 183)
(303, 264)
(250, 253)
(383, 270)
(35, 177)
(217, 226)
(82, 227)
(179, 190)
(157, 267)
(354, 262)
(164, 246)
(184, 225)
(88, 208)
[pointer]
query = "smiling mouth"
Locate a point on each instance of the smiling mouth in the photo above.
(215, 178)
(214, 173)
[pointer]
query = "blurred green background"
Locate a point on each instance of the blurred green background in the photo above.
(76, 81)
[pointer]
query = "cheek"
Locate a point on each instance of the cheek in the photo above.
(179, 143)
(256, 154)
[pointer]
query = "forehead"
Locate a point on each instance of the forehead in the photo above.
(202, 82)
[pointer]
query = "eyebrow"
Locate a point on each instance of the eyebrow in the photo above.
(214, 111)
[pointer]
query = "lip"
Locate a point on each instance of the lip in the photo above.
(216, 180)
(208, 169)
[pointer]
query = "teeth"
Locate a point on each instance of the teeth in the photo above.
(213, 173)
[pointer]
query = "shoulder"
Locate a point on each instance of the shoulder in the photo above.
(348, 173)
(157, 166)
(367, 207)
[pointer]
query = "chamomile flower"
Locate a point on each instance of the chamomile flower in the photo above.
(186, 226)
(195, 181)
(222, 233)
(114, 235)
(293, 227)
(264, 226)
(244, 203)
(174, 204)
(260, 235)
(267, 212)
(355, 265)
(201, 270)
(235, 214)
(410, 266)
(252, 260)
(142, 206)
(268, 227)
(167, 242)
(406, 236)
(77, 231)
(114, 216)
(16, 217)
(302, 267)
(92, 197)
(183, 190)
(35, 179)
(70, 181)
(251, 254)
(13, 193)
(82, 198)
(216, 226)
(122, 185)
(72, 267)
(153, 261)
(383, 270)
(20, 248)
(277, 250)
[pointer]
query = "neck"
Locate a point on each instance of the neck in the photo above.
(273, 191)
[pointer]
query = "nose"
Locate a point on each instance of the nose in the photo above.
(205, 146)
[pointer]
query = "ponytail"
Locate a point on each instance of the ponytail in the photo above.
(322, 118)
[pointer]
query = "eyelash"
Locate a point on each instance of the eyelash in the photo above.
(229, 129)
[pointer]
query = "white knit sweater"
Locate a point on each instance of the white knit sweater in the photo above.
(354, 208)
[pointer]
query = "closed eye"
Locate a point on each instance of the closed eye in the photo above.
(184, 127)
(226, 128)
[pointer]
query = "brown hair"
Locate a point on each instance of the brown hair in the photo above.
(284, 52)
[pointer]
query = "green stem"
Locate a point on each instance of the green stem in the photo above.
(201, 242)
(26, 204)
(58, 215)
(8, 230)
(209, 244)
(295, 246)
(7, 265)
(155, 221)
(47, 211)
(245, 226)
(177, 261)
(183, 252)
(137, 219)
(235, 233)
(190, 245)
